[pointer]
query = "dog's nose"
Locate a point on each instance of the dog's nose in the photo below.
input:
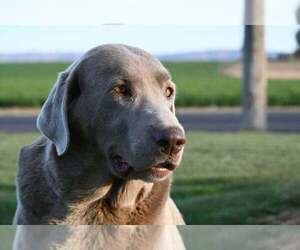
(170, 140)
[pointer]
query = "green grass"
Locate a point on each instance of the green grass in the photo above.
(239, 178)
(27, 84)
(9, 146)
(198, 84)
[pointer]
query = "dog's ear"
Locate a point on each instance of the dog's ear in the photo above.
(52, 121)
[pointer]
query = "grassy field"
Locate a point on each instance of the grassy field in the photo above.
(225, 178)
(198, 84)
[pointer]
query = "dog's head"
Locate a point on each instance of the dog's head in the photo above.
(119, 99)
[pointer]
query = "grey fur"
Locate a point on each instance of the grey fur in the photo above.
(68, 171)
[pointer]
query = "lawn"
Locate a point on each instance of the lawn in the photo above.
(199, 83)
(238, 178)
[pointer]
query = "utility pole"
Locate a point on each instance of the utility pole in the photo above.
(254, 68)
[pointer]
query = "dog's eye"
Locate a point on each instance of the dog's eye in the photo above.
(169, 92)
(121, 90)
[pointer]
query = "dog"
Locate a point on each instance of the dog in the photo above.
(110, 143)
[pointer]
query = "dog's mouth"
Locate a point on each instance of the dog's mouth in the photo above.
(156, 171)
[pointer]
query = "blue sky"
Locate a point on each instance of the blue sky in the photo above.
(154, 12)
(156, 39)
(160, 26)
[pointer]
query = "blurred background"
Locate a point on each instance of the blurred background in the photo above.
(237, 69)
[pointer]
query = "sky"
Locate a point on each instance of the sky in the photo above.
(160, 26)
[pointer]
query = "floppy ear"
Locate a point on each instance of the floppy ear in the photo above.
(52, 121)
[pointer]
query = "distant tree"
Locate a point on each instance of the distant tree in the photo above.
(297, 53)
(254, 67)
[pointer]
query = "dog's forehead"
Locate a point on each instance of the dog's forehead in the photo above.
(128, 62)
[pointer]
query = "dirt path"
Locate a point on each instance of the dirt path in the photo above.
(276, 70)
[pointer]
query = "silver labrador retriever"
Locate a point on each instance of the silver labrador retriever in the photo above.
(110, 143)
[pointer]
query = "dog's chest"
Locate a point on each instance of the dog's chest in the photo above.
(104, 211)
(117, 237)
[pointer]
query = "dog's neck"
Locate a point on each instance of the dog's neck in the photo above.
(128, 193)
(129, 202)
(96, 174)
(96, 197)
(92, 176)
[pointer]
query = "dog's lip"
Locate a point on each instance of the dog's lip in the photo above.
(158, 170)
(162, 169)
(165, 165)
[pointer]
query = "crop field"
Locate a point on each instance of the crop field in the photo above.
(199, 84)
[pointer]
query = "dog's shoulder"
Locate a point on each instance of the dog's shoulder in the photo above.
(33, 149)
(31, 158)
(35, 194)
